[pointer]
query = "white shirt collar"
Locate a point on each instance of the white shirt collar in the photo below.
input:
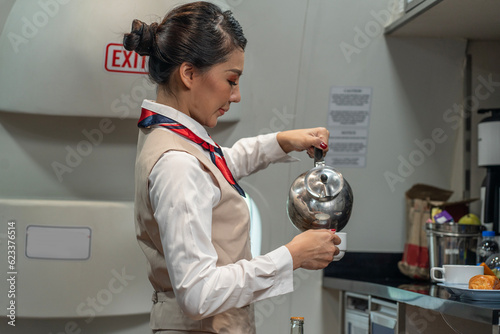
(180, 117)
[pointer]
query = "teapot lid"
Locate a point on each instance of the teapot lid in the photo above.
(323, 182)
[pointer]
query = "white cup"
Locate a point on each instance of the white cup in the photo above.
(342, 246)
(456, 274)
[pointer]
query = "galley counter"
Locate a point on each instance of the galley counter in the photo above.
(369, 283)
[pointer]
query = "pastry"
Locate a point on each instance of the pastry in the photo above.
(484, 282)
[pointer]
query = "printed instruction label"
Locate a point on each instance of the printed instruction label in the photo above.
(348, 123)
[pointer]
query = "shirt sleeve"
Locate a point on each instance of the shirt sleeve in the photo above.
(249, 155)
(182, 196)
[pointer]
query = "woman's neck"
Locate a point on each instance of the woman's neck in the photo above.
(171, 100)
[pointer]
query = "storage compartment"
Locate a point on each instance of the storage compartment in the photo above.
(383, 316)
(356, 319)
(73, 259)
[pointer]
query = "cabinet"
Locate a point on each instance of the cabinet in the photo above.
(469, 19)
(406, 307)
(383, 316)
(364, 314)
(356, 313)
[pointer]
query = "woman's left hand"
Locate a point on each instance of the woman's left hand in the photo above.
(304, 139)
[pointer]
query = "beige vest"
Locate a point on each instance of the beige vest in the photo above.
(230, 237)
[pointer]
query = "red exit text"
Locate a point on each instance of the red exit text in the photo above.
(120, 60)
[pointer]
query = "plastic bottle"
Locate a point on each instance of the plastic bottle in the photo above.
(297, 325)
(487, 247)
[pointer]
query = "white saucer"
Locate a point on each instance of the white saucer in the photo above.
(464, 292)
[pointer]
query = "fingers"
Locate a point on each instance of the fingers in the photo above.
(326, 248)
(320, 140)
(304, 139)
(322, 135)
(337, 252)
(314, 249)
(336, 240)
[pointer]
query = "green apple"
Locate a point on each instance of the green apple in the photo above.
(469, 219)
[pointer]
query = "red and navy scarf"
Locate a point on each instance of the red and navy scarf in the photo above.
(149, 118)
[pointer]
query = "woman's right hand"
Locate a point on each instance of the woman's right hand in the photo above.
(313, 249)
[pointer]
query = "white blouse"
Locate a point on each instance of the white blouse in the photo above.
(184, 216)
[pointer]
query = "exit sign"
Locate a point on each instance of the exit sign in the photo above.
(120, 60)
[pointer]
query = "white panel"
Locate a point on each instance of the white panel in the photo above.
(57, 50)
(113, 281)
(58, 243)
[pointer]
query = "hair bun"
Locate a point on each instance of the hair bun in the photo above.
(141, 37)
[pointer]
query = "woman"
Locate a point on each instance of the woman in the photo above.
(191, 217)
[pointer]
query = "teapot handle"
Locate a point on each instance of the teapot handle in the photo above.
(318, 157)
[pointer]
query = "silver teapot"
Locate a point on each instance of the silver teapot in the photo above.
(320, 198)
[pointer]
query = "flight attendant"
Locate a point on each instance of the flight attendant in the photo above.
(192, 220)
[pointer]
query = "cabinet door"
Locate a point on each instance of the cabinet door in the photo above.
(356, 323)
(356, 318)
(383, 316)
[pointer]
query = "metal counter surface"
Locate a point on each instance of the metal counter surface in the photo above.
(438, 299)
(377, 275)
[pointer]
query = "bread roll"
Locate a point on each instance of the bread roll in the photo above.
(484, 282)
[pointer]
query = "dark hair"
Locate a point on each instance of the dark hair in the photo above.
(199, 33)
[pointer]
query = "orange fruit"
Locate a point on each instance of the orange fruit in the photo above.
(487, 270)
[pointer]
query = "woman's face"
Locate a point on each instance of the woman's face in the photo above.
(215, 89)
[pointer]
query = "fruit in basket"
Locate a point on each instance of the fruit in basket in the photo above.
(469, 219)
(435, 210)
(496, 272)
(487, 270)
